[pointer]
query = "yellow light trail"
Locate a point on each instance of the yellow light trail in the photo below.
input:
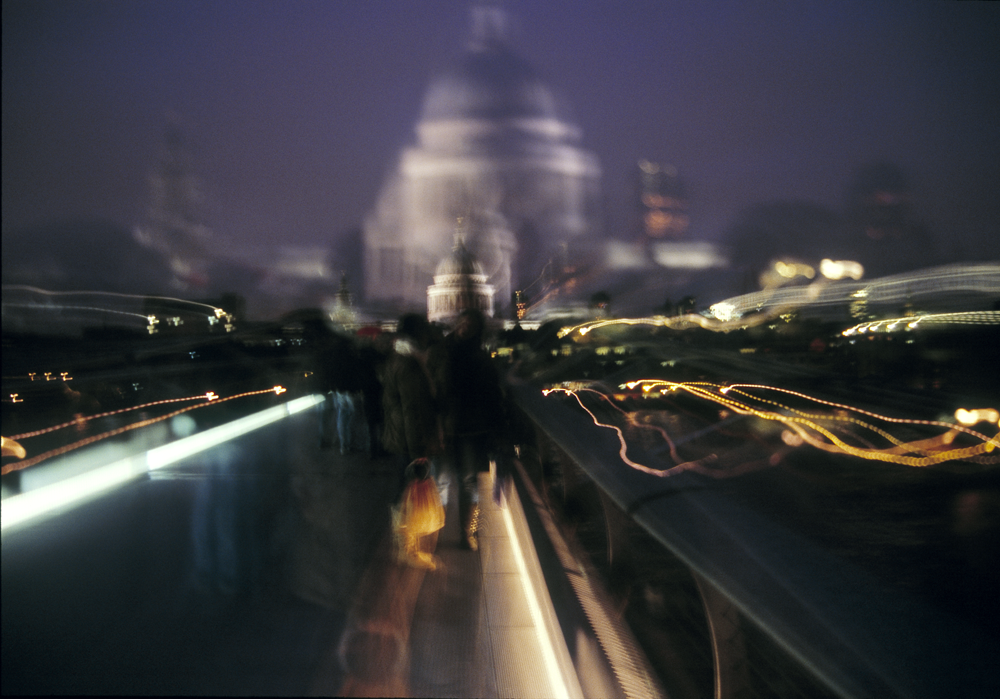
(800, 422)
(20, 465)
(680, 322)
(807, 425)
(623, 449)
(835, 417)
(80, 420)
(861, 411)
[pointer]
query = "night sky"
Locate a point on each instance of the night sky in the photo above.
(296, 110)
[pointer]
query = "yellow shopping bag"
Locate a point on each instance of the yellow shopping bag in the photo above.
(419, 514)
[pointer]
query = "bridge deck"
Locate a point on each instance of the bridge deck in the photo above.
(103, 599)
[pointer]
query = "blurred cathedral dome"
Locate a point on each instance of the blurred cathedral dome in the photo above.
(489, 82)
(461, 262)
(493, 146)
(459, 284)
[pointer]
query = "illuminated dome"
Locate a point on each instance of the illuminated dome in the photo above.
(460, 262)
(459, 284)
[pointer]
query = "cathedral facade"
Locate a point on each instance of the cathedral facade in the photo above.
(494, 148)
(459, 284)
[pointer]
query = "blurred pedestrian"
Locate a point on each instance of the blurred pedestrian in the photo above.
(320, 341)
(228, 527)
(343, 367)
(373, 354)
(410, 413)
(472, 403)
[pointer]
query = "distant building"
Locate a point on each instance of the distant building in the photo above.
(662, 202)
(459, 284)
(270, 279)
(658, 264)
(342, 311)
(883, 229)
(175, 227)
(495, 147)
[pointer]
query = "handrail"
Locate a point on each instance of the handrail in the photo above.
(857, 637)
(591, 606)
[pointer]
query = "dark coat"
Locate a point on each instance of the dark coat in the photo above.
(471, 395)
(342, 366)
(411, 425)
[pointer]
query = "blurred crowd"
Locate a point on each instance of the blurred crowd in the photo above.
(419, 393)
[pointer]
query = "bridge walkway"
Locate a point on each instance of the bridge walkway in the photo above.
(104, 597)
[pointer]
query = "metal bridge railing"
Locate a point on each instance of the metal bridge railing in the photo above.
(782, 617)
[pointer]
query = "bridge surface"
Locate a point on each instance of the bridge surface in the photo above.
(264, 565)
(254, 568)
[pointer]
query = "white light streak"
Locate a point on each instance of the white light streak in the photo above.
(26, 507)
(556, 683)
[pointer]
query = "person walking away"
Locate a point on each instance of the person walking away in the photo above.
(410, 425)
(373, 355)
(474, 414)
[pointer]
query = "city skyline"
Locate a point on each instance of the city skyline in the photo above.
(297, 110)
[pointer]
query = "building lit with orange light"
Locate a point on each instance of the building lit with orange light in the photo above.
(662, 202)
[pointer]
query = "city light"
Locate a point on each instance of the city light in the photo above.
(841, 269)
(841, 429)
(29, 305)
(974, 417)
(791, 270)
(980, 279)
(932, 319)
(27, 506)
(723, 311)
(211, 397)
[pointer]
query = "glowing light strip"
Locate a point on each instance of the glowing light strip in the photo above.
(930, 451)
(45, 307)
(46, 292)
(556, 681)
(912, 322)
(210, 396)
(25, 507)
(181, 449)
(81, 420)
